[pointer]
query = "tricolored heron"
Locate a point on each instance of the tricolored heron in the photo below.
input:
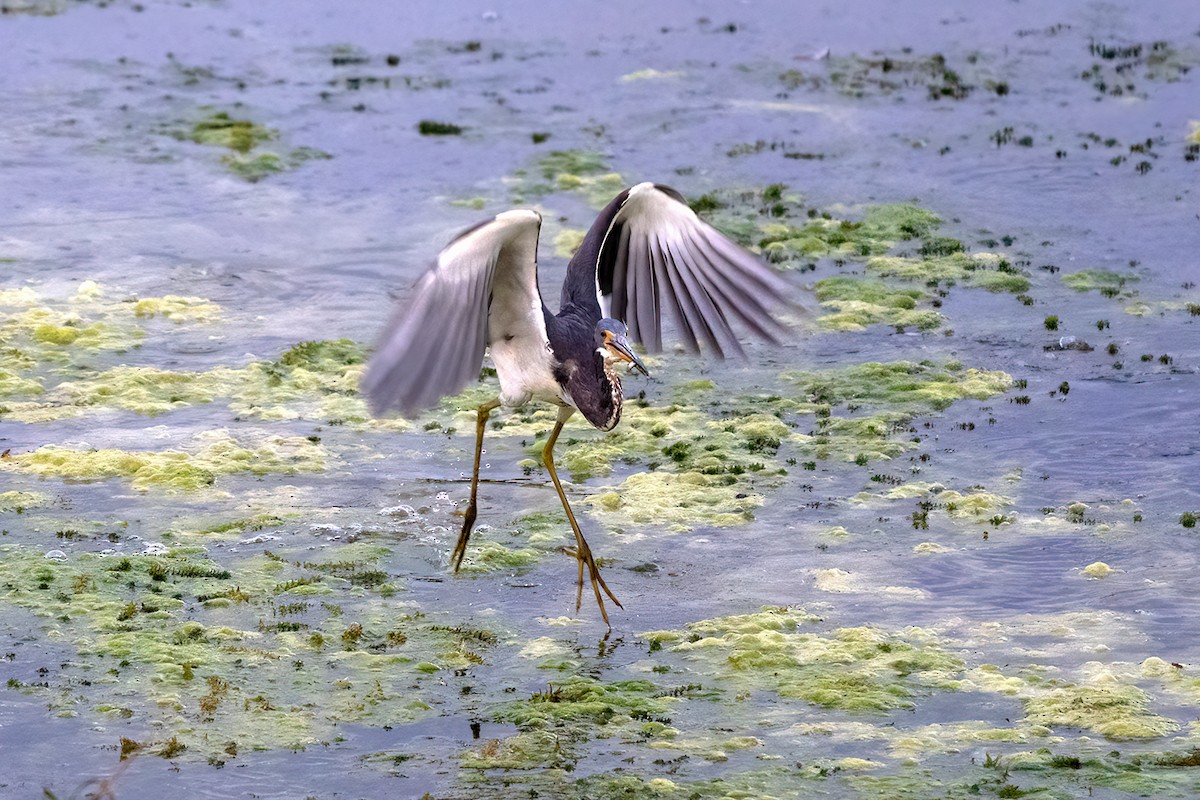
(646, 250)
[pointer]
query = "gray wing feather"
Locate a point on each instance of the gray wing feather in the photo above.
(666, 256)
(435, 343)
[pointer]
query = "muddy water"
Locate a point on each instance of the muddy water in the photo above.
(930, 647)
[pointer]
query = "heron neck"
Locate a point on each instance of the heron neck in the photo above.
(611, 399)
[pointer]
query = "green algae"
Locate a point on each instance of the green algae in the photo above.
(178, 309)
(983, 270)
(1113, 710)
(45, 333)
(681, 501)
(857, 304)
(312, 380)
(864, 431)
(975, 504)
(907, 385)
(852, 669)
(785, 242)
(221, 130)
(1150, 774)
(567, 241)
(899, 222)
(142, 390)
(18, 502)
(839, 581)
(583, 172)
(883, 75)
(255, 167)
(249, 159)
(37, 341)
(13, 385)
(571, 162)
(1097, 280)
(429, 127)
(216, 454)
(19, 297)
(554, 723)
(1096, 570)
(194, 649)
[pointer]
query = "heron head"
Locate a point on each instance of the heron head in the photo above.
(612, 345)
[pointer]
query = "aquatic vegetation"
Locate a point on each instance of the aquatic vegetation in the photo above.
(1120, 65)
(567, 241)
(220, 130)
(13, 385)
(192, 648)
(984, 270)
(213, 455)
(428, 127)
(839, 581)
(899, 222)
(249, 159)
(1114, 710)
(857, 304)
(39, 341)
(1097, 569)
(18, 502)
(679, 501)
(883, 75)
(916, 387)
(783, 242)
(177, 309)
(853, 669)
(312, 380)
(582, 171)
(1105, 281)
(553, 723)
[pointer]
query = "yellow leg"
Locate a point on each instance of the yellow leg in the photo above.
(464, 536)
(582, 551)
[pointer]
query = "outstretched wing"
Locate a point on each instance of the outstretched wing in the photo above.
(435, 343)
(657, 252)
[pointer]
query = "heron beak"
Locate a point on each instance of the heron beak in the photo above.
(619, 347)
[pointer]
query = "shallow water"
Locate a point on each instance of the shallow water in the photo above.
(964, 631)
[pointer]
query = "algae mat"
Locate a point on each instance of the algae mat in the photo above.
(939, 544)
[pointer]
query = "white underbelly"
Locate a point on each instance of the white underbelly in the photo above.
(526, 372)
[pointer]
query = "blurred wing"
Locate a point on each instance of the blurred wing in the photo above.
(658, 253)
(435, 343)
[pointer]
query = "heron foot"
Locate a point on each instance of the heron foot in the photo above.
(594, 573)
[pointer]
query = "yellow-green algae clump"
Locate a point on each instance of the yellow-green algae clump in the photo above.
(249, 159)
(217, 454)
(853, 669)
(983, 270)
(1111, 709)
(555, 722)
(312, 380)
(236, 656)
(177, 308)
(18, 502)
(1104, 281)
(582, 171)
(37, 341)
(679, 500)
(880, 399)
(856, 303)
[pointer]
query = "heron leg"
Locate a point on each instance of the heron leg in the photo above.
(464, 536)
(582, 551)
